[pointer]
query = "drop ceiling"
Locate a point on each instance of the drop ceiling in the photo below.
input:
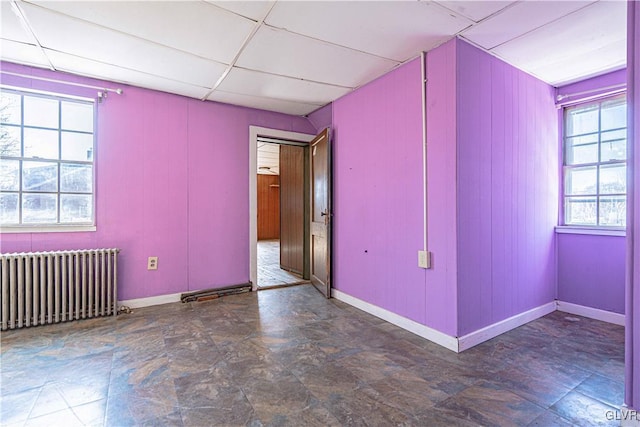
(296, 56)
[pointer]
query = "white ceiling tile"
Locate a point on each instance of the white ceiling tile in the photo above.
(270, 104)
(86, 67)
(474, 9)
(249, 82)
(251, 9)
(280, 52)
(79, 38)
(592, 39)
(387, 29)
(518, 20)
(11, 27)
(22, 53)
(196, 27)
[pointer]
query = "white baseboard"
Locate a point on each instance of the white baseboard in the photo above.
(149, 301)
(592, 313)
(423, 331)
(628, 417)
(481, 335)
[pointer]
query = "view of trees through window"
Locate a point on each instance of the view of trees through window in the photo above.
(595, 168)
(46, 159)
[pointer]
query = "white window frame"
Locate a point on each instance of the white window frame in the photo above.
(588, 228)
(58, 226)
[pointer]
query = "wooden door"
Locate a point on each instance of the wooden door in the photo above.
(292, 208)
(320, 238)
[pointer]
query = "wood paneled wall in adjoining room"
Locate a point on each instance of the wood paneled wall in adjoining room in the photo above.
(292, 208)
(268, 207)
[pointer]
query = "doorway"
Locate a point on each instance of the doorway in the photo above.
(281, 213)
(268, 246)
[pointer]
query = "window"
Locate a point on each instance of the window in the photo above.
(595, 168)
(46, 160)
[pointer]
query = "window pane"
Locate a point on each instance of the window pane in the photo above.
(41, 112)
(581, 181)
(76, 116)
(582, 120)
(41, 143)
(9, 108)
(76, 178)
(9, 209)
(9, 175)
(40, 176)
(613, 179)
(614, 114)
(580, 210)
(76, 208)
(614, 150)
(39, 208)
(582, 154)
(9, 141)
(613, 211)
(77, 146)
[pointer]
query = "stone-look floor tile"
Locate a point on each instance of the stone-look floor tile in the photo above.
(91, 414)
(550, 419)
(358, 408)
(486, 404)
(325, 380)
(603, 389)
(63, 418)
(223, 417)
(291, 357)
(543, 389)
(276, 395)
(49, 400)
(585, 411)
(138, 375)
(407, 393)
(16, 407)
(314, 414)
(141, 405)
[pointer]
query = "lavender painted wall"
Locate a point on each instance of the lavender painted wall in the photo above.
(322, 117)
(507, 190)
(591, 268)
(378, 191)
(441, 279)
(632, 321)
(171, 181)
(591, 271)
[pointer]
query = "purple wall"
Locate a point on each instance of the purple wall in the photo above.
(591, 271)
(591, 268)
(507, 190)
(171, 181)
(632, 330)
(378, 199)
(322, 117)
(441, 279)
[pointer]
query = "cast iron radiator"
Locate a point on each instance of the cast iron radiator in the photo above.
(49, 287)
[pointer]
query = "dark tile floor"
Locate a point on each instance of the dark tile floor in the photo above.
(290, 357)
(269, 271)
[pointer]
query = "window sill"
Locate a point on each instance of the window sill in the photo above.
(48, 229)
(594, 231)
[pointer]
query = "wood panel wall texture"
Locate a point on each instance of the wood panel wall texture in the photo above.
(268, 207)
(292, 208)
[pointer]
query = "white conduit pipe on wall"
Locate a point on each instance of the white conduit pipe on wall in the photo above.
(424, 256)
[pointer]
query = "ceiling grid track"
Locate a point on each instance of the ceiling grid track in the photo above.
(29, 29)
(232, 64)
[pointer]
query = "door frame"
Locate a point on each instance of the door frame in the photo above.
(254, 132)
